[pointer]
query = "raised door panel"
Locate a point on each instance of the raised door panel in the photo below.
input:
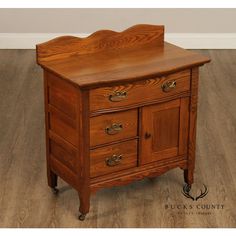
(164, 130)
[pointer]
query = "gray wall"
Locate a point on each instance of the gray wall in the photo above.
(89, 20)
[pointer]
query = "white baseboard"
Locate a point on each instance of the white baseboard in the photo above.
(185, 40)
(203, 41)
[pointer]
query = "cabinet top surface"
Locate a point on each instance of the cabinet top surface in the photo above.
(106, 56)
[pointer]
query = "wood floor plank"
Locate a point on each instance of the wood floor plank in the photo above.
(26, 201)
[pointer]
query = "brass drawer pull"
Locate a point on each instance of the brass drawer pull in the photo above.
(168, 86)
(114, 160)
(114, 128)
(118, 96)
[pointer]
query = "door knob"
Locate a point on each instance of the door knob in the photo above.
(147, 135)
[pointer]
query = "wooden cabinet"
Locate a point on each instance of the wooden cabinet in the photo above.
(118, 107)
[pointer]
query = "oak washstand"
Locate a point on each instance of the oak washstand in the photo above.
(119, 107)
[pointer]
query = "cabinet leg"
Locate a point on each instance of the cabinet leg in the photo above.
(84, 205)
(52, 181)
(188, 176)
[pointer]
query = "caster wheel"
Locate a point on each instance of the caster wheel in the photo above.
(55, 191)
(82, 217)
(187, 187)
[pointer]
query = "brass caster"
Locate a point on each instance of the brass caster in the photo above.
(82, 217)
(55, 191)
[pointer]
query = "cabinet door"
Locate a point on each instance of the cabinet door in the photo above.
(164, 130)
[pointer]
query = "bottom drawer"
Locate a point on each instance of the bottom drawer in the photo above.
(112, 158)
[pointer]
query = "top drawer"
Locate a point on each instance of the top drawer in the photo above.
(139, 92)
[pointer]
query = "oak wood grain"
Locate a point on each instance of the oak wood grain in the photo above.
(141, 104)
(188, 174)
(63, 152)
(164, 130)
(61, 95)
(83, 155)
(99, 125)
(51, 176)
(24, 197)
(184, 125)
(106, 56)
(102, 40)
(150, 90)
(62, 125)
(98, 157)
(128, 176)
(95, 70)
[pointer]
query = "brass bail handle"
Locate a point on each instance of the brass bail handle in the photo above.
(118, 96)
(114, 128)
(113, 160)
(168, 86)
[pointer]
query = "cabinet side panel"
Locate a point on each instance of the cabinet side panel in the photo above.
(62, 95)
(62, 128)
(62, 125)
(63, 152)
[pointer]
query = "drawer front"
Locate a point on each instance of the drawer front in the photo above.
(113, 127)
(113, 158)
(139, 92)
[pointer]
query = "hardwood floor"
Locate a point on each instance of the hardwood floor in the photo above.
(26, 201)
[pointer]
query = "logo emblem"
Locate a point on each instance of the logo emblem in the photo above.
(187, 192)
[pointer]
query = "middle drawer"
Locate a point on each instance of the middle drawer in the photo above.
(113, 127)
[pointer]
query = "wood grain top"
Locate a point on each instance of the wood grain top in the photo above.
(107, 57)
